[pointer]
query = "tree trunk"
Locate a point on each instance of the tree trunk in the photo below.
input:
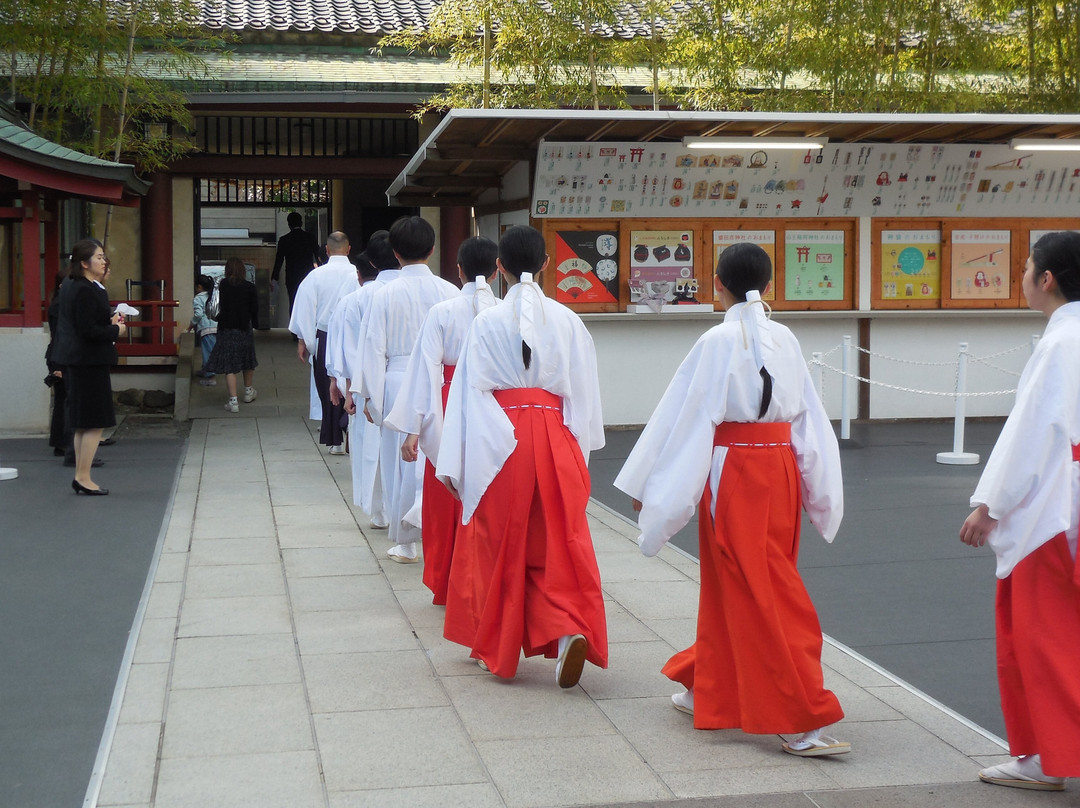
(487, 58)
(122, 113)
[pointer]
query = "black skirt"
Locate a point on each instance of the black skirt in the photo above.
(234, 352)
(89, 391)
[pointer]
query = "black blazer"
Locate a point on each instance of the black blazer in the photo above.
(59, 349)
(86, 335)
(298, 251)
(239, 306)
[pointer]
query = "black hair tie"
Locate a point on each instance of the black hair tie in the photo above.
(766, 391)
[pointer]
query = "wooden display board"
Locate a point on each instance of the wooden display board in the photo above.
(585, 266)
(813, 261)
(1028, 231)
(953, 263)
(905, 266)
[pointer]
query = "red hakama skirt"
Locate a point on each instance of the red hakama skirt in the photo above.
(756, 663)
(524, 570)
(1038, 656)
(440, 517)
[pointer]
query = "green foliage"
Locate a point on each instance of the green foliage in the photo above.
(549, 54)
(795, 55)
(94, 73)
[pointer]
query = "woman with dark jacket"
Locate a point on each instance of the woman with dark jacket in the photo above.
(234, 352)
(59, 439)
(85, 345)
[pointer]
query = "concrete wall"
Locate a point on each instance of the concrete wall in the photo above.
(637, 356)
(124, 246)
(24, 399)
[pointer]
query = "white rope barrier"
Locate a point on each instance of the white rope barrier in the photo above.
(887, 386)
(960, 394)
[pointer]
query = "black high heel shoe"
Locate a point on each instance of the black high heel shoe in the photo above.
(79, 488)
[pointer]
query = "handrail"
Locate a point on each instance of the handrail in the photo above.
(158, 337)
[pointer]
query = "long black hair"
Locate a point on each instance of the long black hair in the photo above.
(742, 267)
(1059, 254)
(82, 251)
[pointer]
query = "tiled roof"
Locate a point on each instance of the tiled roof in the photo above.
(342, 16)
(294, 71)
(15, 135)
(354, 16)
(18, 142)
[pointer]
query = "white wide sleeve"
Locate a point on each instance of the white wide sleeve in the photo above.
(418, 407)
(350, 339)
(668, 467)
(818, 457)
(582, 414)
(373, 360)
(335, 354)
(1030, 481)
(477, 435)
(302, 318)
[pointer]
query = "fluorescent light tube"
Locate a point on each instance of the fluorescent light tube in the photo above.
(1044, 144)
(756, 143)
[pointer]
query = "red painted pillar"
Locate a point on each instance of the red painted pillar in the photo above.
(454, 227)
(157, 236)
(52, 243)
(155, 219)
(31, 252)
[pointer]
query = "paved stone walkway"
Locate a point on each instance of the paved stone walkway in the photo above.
(282, 660)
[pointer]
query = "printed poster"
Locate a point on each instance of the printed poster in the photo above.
(1035, 235)
(939, 180)
(980, 264)
(911, 265)
(766, 239)
(662, 267)
(814, 265)
(586, 266)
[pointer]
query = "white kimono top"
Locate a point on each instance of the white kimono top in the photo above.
(343, 335)
(418, 409)
(392, 324)
(719, 381)
(335, 340)
(317, 296)
(1031, 484)
(478, 437)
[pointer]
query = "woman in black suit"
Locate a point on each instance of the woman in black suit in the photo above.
(59, 439)
(234, 351)
(88, 331)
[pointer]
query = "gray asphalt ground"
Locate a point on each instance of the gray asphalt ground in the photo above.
(72, 571)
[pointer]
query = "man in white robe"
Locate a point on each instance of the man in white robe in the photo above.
(365, 436)
(316, 298)
(390, 328)
(337, 368)
(418, 410)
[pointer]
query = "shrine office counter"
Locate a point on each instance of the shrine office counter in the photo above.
(909, 356)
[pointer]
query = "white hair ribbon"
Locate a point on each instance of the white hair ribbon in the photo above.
(482, 288)
(526, 309)
(751, 336)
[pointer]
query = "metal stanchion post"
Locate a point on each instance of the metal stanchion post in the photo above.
(958, 457)
(819, 375)
(845, 398)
